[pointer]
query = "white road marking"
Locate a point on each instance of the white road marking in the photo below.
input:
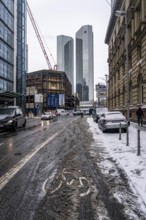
(69, 183)
(54, 190)
(85, 194)
(64, 178)
(13, 171)
(43, 186)
(57, 187)
(82, 185)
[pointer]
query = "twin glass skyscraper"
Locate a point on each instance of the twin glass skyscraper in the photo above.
(65, 57)
(84, 61)
(13, 48)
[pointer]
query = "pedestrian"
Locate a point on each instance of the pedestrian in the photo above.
(140, 115)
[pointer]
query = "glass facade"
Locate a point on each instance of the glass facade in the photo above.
(85, 63)
(21, 52)
(65, 57)
(6, 44)
(12, 47)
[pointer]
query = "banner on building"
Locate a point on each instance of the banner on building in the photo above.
(56, 100)
(61, 100)
(53, 100)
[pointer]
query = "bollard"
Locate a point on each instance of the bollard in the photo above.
(138, 142)
(120, 131)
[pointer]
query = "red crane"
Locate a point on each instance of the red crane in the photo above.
(38, 36)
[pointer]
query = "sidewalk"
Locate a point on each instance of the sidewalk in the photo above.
(126, 157)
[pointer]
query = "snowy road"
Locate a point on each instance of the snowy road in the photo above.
(67, 170)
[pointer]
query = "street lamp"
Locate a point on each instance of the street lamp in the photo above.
(118, 14)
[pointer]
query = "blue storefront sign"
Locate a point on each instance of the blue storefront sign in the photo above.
(53, 100)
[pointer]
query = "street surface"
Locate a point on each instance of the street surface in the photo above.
(47, 171)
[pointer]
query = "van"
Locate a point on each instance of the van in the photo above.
(12, 117)
(61, 112)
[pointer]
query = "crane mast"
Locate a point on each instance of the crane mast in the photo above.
(38, 36)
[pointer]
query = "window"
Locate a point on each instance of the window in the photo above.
(140, 90)
(124, 96)
(139, 52)
(130, 93)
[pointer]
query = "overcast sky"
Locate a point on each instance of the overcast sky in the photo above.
(65, 17)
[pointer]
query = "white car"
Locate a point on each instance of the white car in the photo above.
(112, 120)
(47, 116)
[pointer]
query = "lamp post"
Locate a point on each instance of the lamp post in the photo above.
(124, 13)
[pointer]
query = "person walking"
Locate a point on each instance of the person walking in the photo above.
(140, 115)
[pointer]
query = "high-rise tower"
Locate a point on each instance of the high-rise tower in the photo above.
(85, 63)
(65, 57)
(12, 51)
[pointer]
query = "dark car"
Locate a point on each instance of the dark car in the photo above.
(12, 117)
(78, 112)
(97, 113)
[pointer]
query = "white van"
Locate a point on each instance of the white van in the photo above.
(62, 112)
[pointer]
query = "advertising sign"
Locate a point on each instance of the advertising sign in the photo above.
(38, 98)
(53, 100)
(61, 100)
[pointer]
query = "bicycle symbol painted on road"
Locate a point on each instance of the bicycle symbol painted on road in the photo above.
(54, 183)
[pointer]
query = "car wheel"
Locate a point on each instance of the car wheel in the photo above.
(24, 124)
(14, 126)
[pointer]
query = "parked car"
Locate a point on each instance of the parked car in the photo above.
(47, 116)
(78, 112)
(97, 113)
(112, 120)
(12, 117)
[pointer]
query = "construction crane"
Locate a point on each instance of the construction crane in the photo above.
(38, 36)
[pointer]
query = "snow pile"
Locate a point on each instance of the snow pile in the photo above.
(126, 156)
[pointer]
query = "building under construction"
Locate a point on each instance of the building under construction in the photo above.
(54, 88)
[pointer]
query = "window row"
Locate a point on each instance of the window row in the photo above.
(6, 52)
(6, 70)
(9, 4)
(5, 85)
(6, 34)
(6, 17)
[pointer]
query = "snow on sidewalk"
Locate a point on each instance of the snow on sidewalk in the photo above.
(126, 156)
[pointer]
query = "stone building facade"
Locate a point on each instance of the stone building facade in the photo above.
(127, 87)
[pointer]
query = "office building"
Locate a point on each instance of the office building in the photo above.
(65, 57)
(85, 63)
(112, 3)
(12, 52)
(127, 57)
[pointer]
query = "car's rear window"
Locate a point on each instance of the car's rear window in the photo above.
(101, 110)
(114, 115)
